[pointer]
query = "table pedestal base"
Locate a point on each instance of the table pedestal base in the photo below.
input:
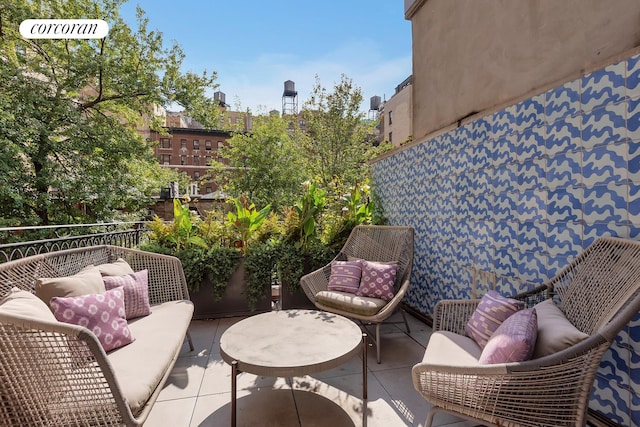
(234, 382)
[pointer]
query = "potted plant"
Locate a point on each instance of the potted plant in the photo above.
(214, 267)
(293, 262)
(305, 249)
(354, 208)
(301, 251)
(254, 263)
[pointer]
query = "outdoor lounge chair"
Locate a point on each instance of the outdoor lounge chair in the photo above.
(377, 243)
(598, 293)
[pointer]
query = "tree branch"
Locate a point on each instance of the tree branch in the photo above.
(110, 98)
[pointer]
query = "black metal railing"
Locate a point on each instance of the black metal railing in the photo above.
(20, 242)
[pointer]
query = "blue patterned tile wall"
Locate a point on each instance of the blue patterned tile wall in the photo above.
(506, 201)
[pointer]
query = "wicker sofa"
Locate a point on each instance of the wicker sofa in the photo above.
(58, 374)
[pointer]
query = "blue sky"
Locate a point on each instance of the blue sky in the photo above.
(255, 45)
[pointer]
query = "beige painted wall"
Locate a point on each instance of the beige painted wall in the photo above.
(401, 106)
(472, 55)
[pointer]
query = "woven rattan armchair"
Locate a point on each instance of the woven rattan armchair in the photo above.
(598, 293)
(372, 243)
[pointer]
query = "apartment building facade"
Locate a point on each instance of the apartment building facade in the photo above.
(191, 151)
(396, 115)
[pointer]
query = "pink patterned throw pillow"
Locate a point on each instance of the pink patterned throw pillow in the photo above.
(345, 276)
(377, 280)
(136, 292)
(514, 340)
(103, 314)
(491, 312)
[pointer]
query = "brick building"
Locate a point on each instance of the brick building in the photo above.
(191, 151)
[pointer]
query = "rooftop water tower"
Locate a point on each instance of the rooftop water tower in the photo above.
(289, 98)
(374, 107)
(221, 98)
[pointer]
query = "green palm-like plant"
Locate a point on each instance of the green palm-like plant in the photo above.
(308, 210)
(358, 209)
(184, 229)
(181, 233)
(246, 220)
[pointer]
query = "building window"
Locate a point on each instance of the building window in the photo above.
(196, 160)
(183, 143)
(207, 145)
(220, 144)
(183, 160)
(165, 143)
(208, 160)
(196, 175)
(391, 137)
(302, 123)
(165, 159)
(209, 190)
(390, 117)
(196, 144)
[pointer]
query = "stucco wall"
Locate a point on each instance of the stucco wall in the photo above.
(471, 55)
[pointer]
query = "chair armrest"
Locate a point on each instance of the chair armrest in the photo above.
(496, 393)
(166, 276)
(453, 315)
(316, 281)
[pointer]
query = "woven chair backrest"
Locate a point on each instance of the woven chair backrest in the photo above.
(598, 283)
(382, 243)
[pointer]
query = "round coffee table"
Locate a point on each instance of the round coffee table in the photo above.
(290, 343)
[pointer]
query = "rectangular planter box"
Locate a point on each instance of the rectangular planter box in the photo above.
(234, 301)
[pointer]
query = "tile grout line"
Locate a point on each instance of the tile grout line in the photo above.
(213, 341)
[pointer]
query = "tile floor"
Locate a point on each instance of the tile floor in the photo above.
(198, 392)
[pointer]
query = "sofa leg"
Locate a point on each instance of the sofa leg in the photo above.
(190, 342)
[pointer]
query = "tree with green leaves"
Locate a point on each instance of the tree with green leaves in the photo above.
(339, 142)
(70, 109)
(265, 163)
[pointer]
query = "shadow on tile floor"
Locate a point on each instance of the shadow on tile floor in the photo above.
(198, 392)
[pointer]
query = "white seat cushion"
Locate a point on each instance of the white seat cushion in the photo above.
(344, 301)
(450, 349)
(140, 366)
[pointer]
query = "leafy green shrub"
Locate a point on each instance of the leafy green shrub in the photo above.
(260, 262)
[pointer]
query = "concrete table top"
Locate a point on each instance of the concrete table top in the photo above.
(291, 342)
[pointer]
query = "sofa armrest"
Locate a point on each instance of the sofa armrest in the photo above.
(166, 276)
(54, 373)
(453, 315)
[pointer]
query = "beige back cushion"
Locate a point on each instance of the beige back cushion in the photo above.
(24, 303)
(118, 268)
(87, 281)
(555, 332)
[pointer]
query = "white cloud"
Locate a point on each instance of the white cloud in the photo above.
(258, 83)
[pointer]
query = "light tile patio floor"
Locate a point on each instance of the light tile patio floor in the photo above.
(198, 392)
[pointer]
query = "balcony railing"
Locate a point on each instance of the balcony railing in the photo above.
(19, 242)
